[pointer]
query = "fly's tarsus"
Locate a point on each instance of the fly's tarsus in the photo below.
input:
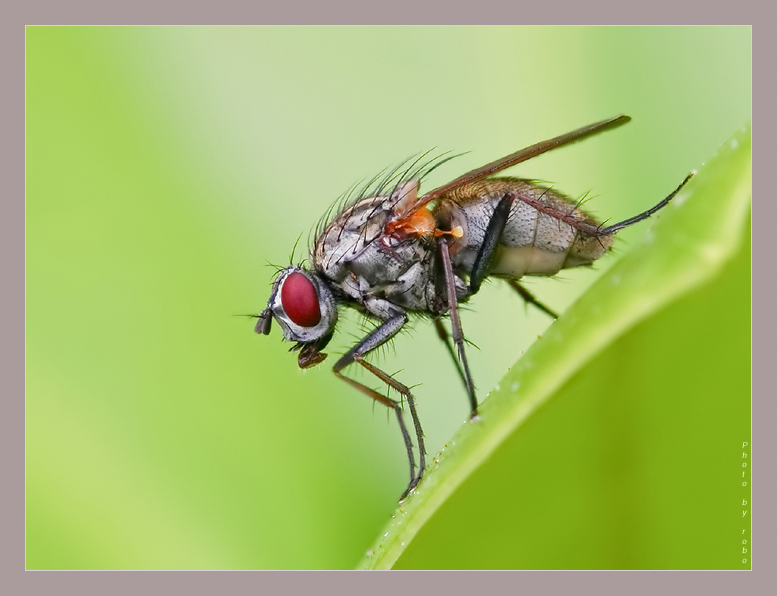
(530, 299)
(645, 214)
(405, 394)
(393, 405)
(376, 339)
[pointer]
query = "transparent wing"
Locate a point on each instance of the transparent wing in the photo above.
(512, 159)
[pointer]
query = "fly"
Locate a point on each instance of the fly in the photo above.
(393, 254)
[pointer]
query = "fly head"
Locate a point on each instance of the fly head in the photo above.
(306, 310)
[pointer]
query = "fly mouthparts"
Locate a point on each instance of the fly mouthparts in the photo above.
(309, 357)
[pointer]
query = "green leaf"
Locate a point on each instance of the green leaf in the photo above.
(635, 462)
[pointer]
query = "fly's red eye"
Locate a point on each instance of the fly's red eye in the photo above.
(300, 300)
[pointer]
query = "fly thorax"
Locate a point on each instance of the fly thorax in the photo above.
(386, 260)
(472, 218)
(411, 289)
(345, 239)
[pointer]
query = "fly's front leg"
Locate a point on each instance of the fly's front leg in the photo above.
(356, 354)
(394, 405)
(458, 335)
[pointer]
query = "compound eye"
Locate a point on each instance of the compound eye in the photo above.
(300, 300)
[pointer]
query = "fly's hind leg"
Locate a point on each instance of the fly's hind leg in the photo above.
(530, 299)
(482, 264)
(356, 354)
(645, 214)
(494, 231)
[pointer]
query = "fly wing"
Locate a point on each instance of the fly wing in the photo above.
(512, 159)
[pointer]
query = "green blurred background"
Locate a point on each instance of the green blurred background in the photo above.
(167, 166)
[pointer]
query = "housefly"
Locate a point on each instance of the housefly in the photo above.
(391, 254)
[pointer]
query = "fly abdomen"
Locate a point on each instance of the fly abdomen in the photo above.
(542, 234)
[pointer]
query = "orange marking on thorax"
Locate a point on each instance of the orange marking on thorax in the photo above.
(420, 223)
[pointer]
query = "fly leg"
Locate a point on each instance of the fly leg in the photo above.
(480, 268)
(356, 354)
(600, 231)
(458, 335)
(442, 333)
(394, 405)
(530, 299)
(644, 215)
(494, 231)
